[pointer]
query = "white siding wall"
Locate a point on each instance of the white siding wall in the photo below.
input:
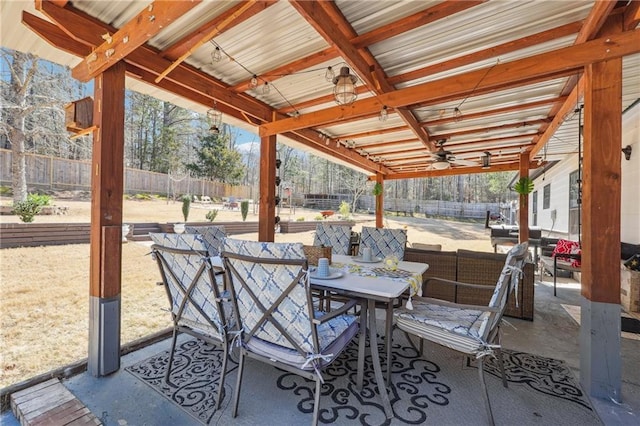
(630, 212)
(558, 176)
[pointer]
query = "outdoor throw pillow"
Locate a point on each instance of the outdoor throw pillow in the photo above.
(633, 262)
(568, 247)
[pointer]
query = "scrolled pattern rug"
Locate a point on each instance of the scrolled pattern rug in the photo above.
(435, 389)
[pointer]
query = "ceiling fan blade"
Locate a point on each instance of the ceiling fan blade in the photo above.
(464, 162)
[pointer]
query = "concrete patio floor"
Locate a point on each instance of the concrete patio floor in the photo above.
(119, 399)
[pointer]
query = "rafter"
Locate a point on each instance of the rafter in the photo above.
(593, 23)
(188, 42)
(207, 36)
(488, 129)
(419, 19)
(496, 111)
(492, 52)
(363, 63)
(455, 171)
(632, 15)
(554, 64)
(192, 88)
(147, 23)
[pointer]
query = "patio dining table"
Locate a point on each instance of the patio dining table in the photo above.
(373, 283)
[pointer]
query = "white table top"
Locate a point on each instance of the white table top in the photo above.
(382, 287)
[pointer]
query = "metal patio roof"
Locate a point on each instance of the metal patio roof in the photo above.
(389, 45)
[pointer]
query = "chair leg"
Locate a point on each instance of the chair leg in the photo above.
(501, 365)
(485, 394)
(173, 348)
(555, 275)
(362, 342)
(223, 373)
(316, 403)
(236, 392)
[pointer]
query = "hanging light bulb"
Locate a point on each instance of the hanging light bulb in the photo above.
(254, 81)
(384, 114)
(457, 114)
(266, 88)
(216, 55)
(329, 75)
(215, 117)
(345, 87)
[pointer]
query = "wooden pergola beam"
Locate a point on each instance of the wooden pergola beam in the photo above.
(492, 52)
(495, 111)
(364, 64)
(418, 19)
(57, 37)
(191, 40)
(564, 61)
(149, 22)
(207, 36)
(516, 125)
(592, 24)
(453, 171)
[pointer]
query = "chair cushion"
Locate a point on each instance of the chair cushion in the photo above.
(446, 325)
(333, 336)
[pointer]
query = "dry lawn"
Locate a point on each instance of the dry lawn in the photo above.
(44, 291)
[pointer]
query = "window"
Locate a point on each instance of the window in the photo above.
(534, 202)
(546, 196)
(574, 190)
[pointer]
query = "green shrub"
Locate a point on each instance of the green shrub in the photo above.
(186, 206)
(6, 190)
(300, 219)
(40, 199)
(344, 209)
(211, 215)
(244, 209)
(28, 209)
(319, 217)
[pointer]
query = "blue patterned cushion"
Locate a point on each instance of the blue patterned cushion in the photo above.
(336, 236)
(384, 242)
(185, 268)
(268, 282)
(213, 236)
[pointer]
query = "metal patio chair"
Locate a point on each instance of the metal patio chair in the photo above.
(470, 329)
(273, 304)
(383, 242)
(197, 307)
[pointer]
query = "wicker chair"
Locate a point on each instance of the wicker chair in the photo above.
(196, 304)
(338, 237)
(470, 329)
(384, 242)
(272, 301)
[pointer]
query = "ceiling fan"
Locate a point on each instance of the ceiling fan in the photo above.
(444, 159)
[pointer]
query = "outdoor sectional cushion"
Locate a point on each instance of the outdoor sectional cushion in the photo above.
(333, 336)
(450, 326)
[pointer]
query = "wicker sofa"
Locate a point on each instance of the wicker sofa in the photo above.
(475, 268)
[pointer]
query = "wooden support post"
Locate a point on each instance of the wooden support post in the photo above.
(380, 203)
(523, 211)
(267, 211)
(600, 359)
(106, 221)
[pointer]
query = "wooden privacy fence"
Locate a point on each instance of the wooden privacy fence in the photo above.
(60, 174)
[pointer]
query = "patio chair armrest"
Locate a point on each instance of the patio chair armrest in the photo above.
(453, 304)
(459, 283)
(335, 312)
